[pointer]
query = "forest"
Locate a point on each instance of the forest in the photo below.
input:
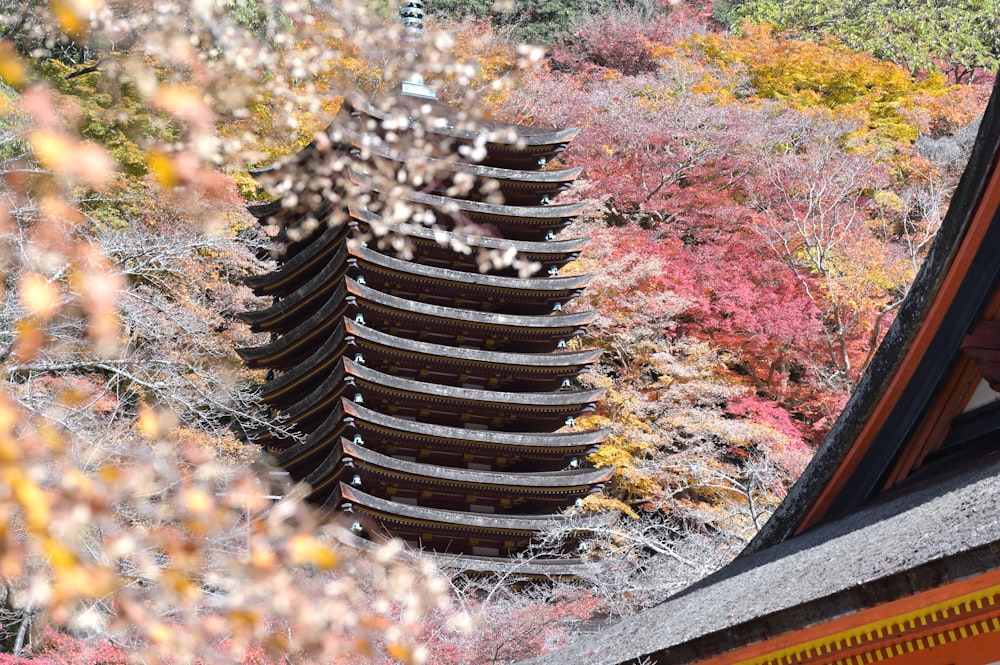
(762, 179)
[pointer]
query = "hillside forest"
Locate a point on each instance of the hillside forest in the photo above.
(763, 179)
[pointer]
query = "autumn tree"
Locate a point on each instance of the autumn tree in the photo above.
(539, 21)
(959, 38)
(130, 511)
(813, 195)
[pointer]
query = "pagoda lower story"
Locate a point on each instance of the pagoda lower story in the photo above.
(433, 402)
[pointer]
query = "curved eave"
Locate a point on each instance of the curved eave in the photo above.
(527, 214)
(305, 410)
(264, 210)
(447, 121)
(289, 306)
(554, 178)
(286, 278)
(568, 441)
(321, 439)
(452, 239)
(560, 400)
(321, 322)
(324, 358)
(568, 285)
(541, 482)
(554, 322)
(457, 353)
(454, 519)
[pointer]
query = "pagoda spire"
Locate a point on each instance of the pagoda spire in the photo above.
(411, 13)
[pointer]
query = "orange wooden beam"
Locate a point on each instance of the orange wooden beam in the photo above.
(927, 628)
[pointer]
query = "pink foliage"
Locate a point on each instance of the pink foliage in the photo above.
(510, 629)
(789, 451)
(62, 649)
(619, 42)
(625, 41)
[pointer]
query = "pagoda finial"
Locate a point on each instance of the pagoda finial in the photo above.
(411, 13)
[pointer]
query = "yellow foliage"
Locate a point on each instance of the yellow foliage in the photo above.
(30, 497)
(824, 74)
(609, 454)
(68, 156)
(72, 14)
(12, 70)
(306, 549)
(592, 421)
(600, 503)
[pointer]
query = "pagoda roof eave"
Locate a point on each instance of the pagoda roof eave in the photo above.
(567, 246)
(270, 283)
(448, 120)
(287, 343)
(262, 210)
(544, 399)
(275, 387)
(574, 320)
(556, 441)
(542, 284)
(452, 519)
(553, 177)
(345, 136)
(331, 386)
(270, 317)
(544, 480)
(328, 433)
(571, 359)
(560, 211)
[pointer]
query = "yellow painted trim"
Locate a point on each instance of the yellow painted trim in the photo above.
(948, 610)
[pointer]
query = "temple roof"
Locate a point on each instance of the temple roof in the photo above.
(315, 404)
(286, 349)
(293, 381)
(319, 442)
(440, 118)
(920, 540)
(382, 149)
(286, 278)
(526, 214)
(452, 239)
(291, 309)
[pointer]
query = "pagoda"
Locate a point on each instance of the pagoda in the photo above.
(433, 401)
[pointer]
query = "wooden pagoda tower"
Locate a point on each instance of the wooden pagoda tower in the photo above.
(435, 402)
